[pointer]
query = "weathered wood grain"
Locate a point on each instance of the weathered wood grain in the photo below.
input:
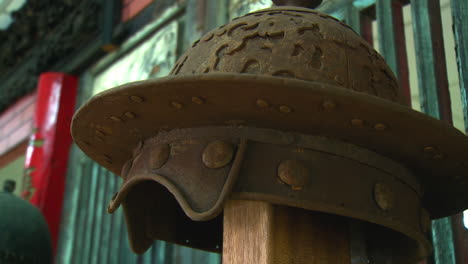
(262, 233)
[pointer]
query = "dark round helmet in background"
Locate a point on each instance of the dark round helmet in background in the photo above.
(24, 235)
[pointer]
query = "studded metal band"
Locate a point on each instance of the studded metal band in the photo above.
(202, 167)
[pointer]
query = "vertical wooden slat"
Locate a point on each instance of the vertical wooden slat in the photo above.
(157, 252)
(68, 235)
(353, 17)
(366, 29)
(88, 226)
(460, 30)
(95, 219)
(435, 99)
(392, 42)
(159, 255)
(458, 230)
(442, 239)
(126, 255)
(100, 210)
(80, 224)
(430, 58)
(387, 33)
(115, 236)
(168, 253)
(105, 240)
(218, 14)
(147, 257)
(107, 23)
(123, 246)
(400, 47)
(193, 25)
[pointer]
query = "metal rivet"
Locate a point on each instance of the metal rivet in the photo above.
(339, 79)
(329, 105)
(293, 173)
(130, 115)
(438, 157)
(100, 133)
(380, 127)
(198, 100)
(429, 149)
(262, 103)
(217, 154)
(159, 156)
(425, 221)
(136, 99)
(285, 109)
(177, 105)
(116, 119)
(357, 122)
(383, 196)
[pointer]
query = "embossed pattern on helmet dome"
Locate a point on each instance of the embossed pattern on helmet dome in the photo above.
(299, 44)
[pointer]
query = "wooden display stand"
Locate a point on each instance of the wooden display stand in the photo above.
(263, 233)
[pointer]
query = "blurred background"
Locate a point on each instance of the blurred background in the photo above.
(94, 45)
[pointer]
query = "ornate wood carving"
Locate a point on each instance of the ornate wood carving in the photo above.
(44, 34)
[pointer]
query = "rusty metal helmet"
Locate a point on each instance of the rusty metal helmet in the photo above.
(24, 235)
(298, 84)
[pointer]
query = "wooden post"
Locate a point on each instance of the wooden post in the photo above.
(262, 233)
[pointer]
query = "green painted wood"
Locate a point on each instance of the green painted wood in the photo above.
(106, 238)
(126, 255)
(460, 30)
(434, 98)
(192, 25)
(82, 212)
(100, 210)
(218, 14)
(387, 39)
(116, 236)
(430, 59)
(88, 226)
(168, 253)
(353, 17)
(68, 236)
(442, 239)
(392, 42)
(147, 257)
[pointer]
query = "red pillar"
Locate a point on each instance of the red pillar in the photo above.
(47, 153)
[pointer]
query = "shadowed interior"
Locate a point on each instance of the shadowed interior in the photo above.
(151, 213)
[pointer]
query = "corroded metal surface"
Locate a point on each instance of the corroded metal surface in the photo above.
(294, 173)
(438, 158)
(293, 43)
(315, 173)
